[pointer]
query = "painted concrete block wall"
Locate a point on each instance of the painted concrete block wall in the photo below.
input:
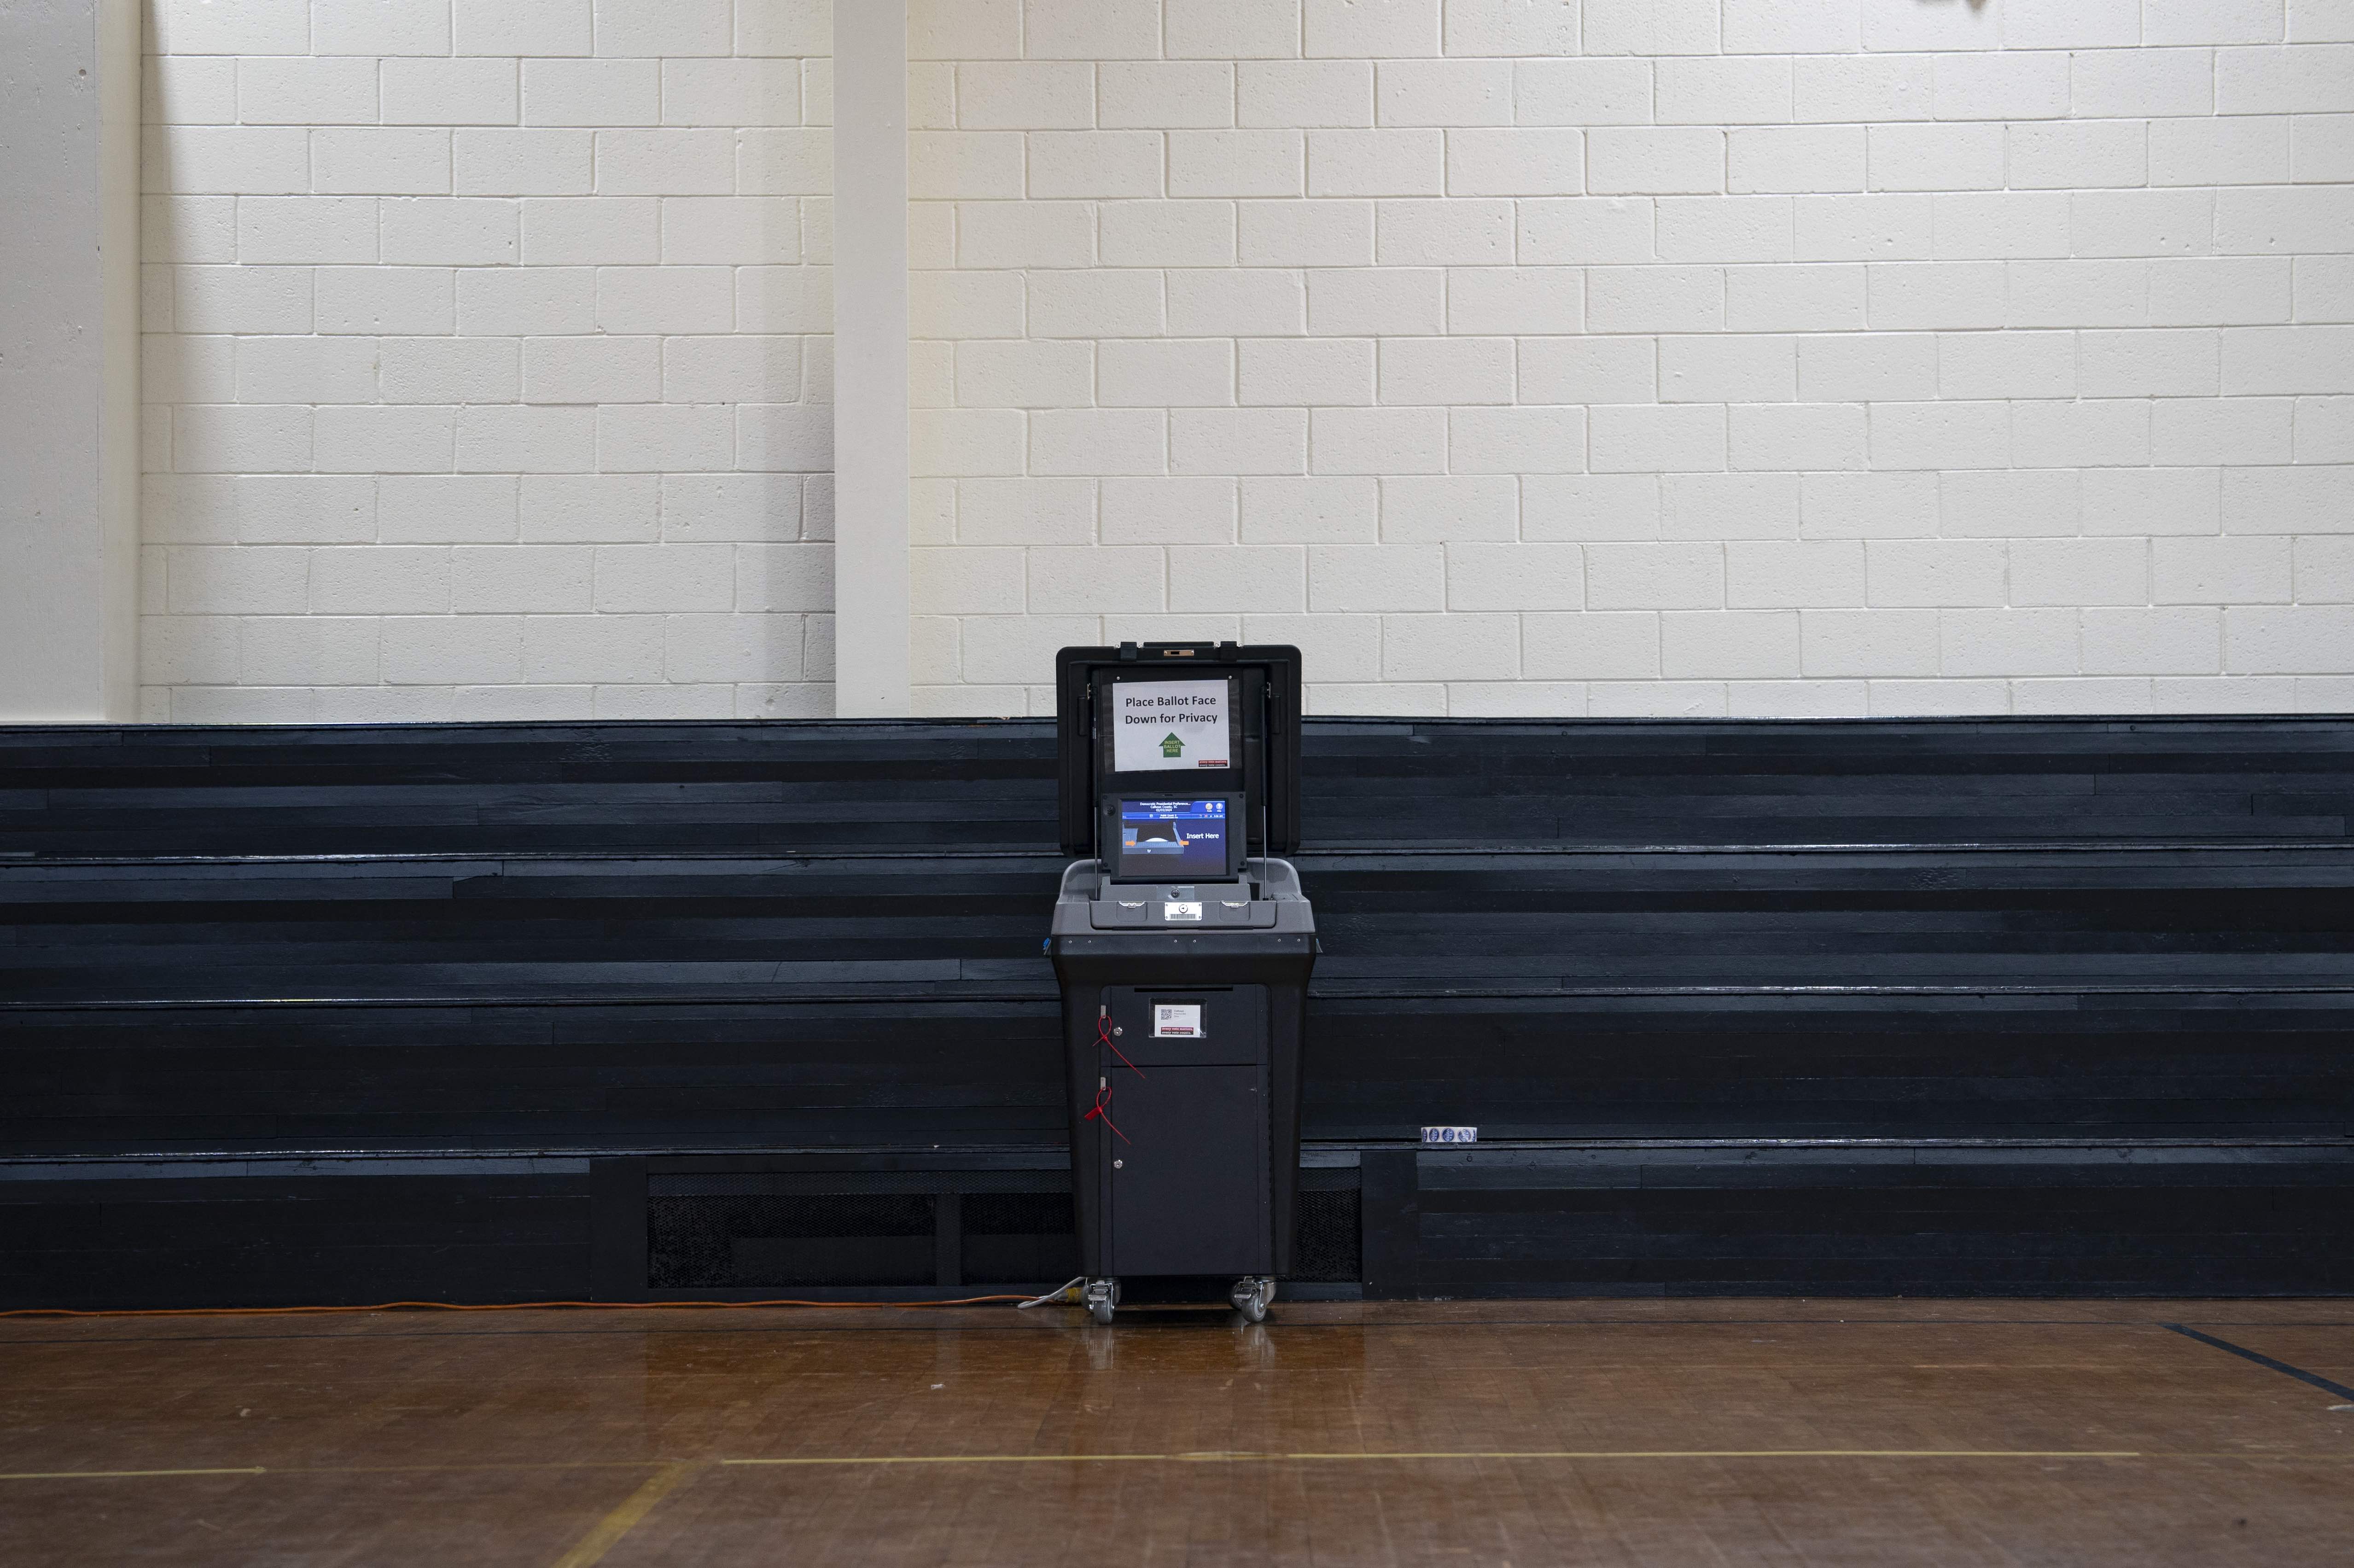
(1771, 357)
(1678, 356)
(487, 359)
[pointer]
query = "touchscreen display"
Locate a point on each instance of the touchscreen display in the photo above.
(1173, 841)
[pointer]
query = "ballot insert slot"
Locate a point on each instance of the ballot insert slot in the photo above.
(1173, 839)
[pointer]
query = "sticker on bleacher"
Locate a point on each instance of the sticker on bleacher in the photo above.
(1450, 1135)
(1177, 1020)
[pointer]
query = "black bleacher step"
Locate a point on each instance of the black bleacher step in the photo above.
(621, 937)
(563, 785)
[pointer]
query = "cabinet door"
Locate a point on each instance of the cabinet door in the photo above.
(1189, 1191)
(1177, 1026)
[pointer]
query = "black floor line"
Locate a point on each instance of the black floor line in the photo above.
(2322, 1383)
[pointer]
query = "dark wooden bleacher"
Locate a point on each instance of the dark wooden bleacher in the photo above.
(351, 1014)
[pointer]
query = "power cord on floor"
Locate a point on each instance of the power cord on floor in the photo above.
(1060, 1296)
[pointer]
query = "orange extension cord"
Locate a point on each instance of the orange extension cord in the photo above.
(491, 1306)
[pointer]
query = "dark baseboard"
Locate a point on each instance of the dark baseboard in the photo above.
(1618, 1217)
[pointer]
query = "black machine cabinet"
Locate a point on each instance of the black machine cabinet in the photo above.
(1184, 949)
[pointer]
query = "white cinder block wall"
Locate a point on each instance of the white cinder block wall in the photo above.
(487, 368)
(1514, 357)
(1776, 357)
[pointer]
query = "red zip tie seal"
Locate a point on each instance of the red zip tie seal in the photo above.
(1103, 1110)
(1103, 1038)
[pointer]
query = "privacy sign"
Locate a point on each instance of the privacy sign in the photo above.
(1158, 726)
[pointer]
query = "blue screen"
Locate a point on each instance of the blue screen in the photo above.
(1173, 841)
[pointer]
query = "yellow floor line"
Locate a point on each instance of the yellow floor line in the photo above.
(116, 1475)
(965, 1460)
(1482, 1454)
(591, 1548)
(1753, 1453)
(465, 1469)
(674, 1471)
(335, 1469)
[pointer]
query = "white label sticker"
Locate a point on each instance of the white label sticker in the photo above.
(1450, 1135)
(1158, 725)
(1192, 911)
(1177, 1020)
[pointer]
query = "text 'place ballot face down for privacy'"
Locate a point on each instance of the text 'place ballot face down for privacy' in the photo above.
(1163, 724)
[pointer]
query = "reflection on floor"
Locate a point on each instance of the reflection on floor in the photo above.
(1654, 1433)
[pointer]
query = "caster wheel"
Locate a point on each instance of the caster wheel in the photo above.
(1100, 1310)
(1101, 1296)
(1250, 1298)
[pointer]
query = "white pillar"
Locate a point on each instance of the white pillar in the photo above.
(870, 357)
(68, 359)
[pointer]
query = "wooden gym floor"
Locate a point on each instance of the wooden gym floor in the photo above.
(1655, 1432)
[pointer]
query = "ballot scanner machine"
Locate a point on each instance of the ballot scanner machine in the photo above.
(1182, 943)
